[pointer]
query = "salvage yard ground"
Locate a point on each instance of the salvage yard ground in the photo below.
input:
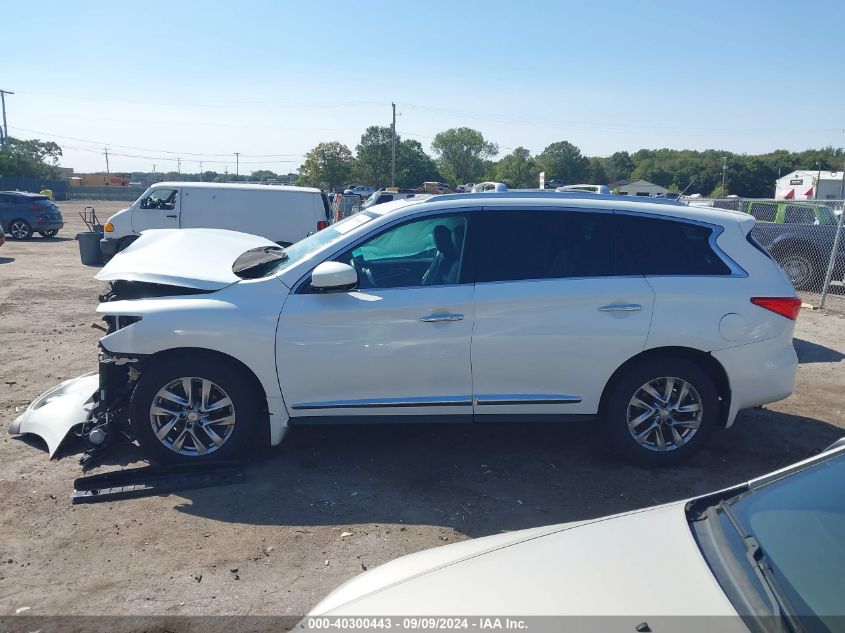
(328, 502)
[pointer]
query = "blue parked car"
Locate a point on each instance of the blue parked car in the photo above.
(23, 214)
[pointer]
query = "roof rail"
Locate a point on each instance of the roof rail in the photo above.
(550, 194)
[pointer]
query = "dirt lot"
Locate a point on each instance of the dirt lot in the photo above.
(397, 490)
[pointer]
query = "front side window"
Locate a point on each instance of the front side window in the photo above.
(517, 245)
(424, 252)
(657, 246)
(160, 199)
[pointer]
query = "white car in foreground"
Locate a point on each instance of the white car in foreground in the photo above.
(658, 320)
(772, 549)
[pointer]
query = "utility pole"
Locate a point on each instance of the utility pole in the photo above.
(106, 152)
(724, 171)
(818, 181)
(200, 171)
(178, 164)
(237, 163)
(154, 168)
(393, 148)
(3, 94)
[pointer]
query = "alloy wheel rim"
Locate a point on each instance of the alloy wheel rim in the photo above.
(192, 416)
(797, 269)
(18, 230)
(664, 414)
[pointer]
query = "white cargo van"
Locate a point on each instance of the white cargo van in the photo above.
(282, 214)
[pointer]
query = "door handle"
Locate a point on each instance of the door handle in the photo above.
(621, 307)
(437, 318)
(172, 216)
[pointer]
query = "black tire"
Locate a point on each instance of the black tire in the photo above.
(803, 269)
(50, 233)
(19, 229)
(228, 379)
(617, 409)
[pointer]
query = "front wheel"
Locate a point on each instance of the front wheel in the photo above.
(20, 230)
(661, 411)
(194, 409)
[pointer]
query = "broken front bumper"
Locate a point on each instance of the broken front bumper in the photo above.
(55, 413)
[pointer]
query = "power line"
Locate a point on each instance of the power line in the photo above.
(147, 149)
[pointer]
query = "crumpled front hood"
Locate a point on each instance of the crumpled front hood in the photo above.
(192, 258)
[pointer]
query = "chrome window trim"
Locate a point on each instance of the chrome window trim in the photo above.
(525, 398)
(381, 403)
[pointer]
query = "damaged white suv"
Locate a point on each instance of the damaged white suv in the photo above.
(658, 320)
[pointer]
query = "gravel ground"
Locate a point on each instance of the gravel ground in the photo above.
(396, 490)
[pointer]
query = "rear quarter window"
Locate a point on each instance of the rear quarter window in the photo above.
(657, 246)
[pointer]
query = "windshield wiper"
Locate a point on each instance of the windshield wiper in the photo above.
(757, 558)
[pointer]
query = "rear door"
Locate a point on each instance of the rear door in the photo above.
(553, 321)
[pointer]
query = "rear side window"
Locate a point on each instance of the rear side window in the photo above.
(764, 211)
(656, 246)
(514, 245)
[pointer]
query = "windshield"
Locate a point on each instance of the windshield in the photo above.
(268, 260)
(798, 524)
(370, 201)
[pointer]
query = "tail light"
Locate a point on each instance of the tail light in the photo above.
(37, 207)
(321, 224)
(788, 307)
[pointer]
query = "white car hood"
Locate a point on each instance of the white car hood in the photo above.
(191, 258)
(639, 564)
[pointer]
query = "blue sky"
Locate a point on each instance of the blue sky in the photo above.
(272, 79)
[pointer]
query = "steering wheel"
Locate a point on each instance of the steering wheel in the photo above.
(358, 264)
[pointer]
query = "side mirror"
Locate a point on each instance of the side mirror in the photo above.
(334, 277)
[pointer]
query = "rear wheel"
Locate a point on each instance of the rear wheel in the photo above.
(20, 229)
(661, 411)
(50, 233)
(803, 269)
(194, 409)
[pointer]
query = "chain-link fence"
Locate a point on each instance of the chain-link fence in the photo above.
(805, 237)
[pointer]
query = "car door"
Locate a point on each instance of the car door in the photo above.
(552, 319)
(5, 210)
(397, 346)
(157, 210)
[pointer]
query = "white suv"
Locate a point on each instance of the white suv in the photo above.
(658, 320)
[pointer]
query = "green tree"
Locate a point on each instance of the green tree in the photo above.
(263, 174)
(462, 153)
(598, 176)
(374, 156)
(618, 166)
(414, 166)
(30, 158)
(517, 169)
(328, 165)
(563, 161)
